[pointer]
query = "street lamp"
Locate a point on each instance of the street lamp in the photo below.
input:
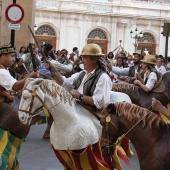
(35, 27)
(136, 36)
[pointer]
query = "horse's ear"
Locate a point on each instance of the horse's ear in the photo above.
(111, 108)
(38, 82)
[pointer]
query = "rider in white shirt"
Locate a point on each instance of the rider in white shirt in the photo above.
(7, 82)
(150, 76)
(92, 85)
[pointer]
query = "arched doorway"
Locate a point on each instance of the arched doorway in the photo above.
(99, 37)
(147, 43)
(45, 34)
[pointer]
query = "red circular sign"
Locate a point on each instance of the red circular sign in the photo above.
(14, 13)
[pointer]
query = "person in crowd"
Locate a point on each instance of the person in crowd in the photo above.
(7, 82)
(157, 105)
(74, 55)
(164, 63)
(132, 71)
(92, 85)
(50, 56)
(159, 67)
(118, 78)
(168, 65)
(58, 53)
(27, 59)
(110, 57)
(22, 51)
(125, 62)
(130, 61)
(150, 76)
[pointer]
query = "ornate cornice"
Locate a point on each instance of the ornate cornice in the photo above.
(129, 10)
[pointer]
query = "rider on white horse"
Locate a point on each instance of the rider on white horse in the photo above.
(91, 86)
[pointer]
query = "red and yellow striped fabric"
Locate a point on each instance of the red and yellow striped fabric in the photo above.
(89, 159)
(93, 159)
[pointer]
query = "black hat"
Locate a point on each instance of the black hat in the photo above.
(6, 49)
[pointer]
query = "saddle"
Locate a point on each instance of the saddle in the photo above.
(92, 109)
(159, 87)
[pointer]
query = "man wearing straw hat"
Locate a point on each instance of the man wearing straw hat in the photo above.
(91, 86)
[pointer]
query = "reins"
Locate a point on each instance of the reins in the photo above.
(108, 120)
(18, 73)
(34, 94)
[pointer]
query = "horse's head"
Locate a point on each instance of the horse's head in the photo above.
(111, 130)
(32, 101)
(19, 68)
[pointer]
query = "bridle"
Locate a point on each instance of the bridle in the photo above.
(108, 121)
(34, 95)
(17, 74)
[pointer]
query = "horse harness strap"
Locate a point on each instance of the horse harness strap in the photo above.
(34, 94)
(108, 120)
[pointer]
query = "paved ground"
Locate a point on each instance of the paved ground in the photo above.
(36, 153)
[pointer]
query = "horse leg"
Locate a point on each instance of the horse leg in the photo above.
(49, 123)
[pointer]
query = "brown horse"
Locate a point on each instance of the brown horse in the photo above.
(18, 70)
(142, 98)
(9, 118)
(150, 136)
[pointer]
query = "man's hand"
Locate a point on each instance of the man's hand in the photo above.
(34, 74)
(49, 65)
(75, 93)
(136, 82)
(156, 105)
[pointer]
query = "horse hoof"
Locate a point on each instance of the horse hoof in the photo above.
(46, 135)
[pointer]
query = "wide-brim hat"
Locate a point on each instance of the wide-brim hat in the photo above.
(149, 59)
(137, 52)
(93, 50)
(7, 49)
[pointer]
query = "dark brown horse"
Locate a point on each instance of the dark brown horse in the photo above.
(142, 98)
(18, 70)
(9, 118)
(150, 136)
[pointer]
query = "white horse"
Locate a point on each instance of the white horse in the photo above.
(74, 127)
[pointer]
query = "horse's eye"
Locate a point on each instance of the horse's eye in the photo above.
(25, 98)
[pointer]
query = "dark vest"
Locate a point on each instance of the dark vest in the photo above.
(90, 84)
(132, 70)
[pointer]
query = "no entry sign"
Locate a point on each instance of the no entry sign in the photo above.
(14, 13)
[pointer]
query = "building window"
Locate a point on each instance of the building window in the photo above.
(45, 30)
(97, 34)
(147, 38)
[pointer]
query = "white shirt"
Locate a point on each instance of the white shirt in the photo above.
(116, 77)
(6, 80)
(152, 79)
(161, 69)
(62, 67)
(101, 94)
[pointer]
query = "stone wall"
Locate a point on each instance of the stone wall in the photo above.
(22, 36)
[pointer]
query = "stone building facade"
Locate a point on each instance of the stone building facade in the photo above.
(22, 36)
(69, 23)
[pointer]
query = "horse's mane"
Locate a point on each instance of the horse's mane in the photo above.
(124, 87)
(134, 113)
(53, 89)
